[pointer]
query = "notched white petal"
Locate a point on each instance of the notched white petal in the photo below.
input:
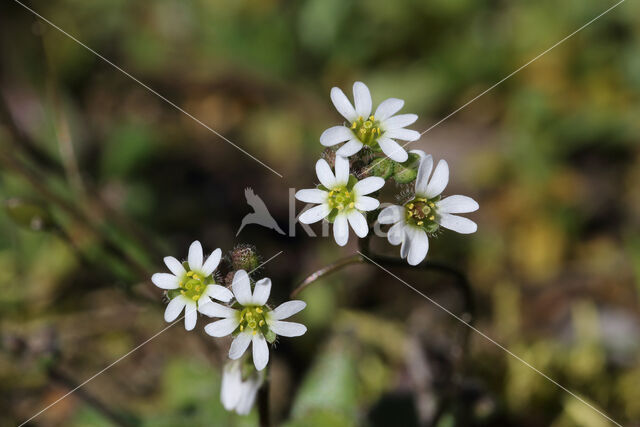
(391, 214)
(314, 214)
(222, 328)
(335, 135)
(288, 329)
(325, 175)
(362, 99)
(458, 224)
(212, 262)
(439, 180)
(174, 266)
(241, 286)
(260, 352)
(388, 108)
(195, 256)
(287, 309)
(165, 281)
(239, 345)
(342, 104)
(311, 195)
(350, 148)
(368, 185)
(261, 291)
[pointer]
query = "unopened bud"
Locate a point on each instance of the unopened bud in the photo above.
(245, 257)
(382, 167)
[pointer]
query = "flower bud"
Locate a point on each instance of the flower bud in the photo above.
(382, 167)
(404, 175)
(245, 257)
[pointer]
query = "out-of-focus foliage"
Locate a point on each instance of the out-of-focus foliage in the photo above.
(120, 179)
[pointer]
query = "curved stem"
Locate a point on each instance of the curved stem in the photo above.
(324, 271)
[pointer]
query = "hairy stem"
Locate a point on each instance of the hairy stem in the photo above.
(324, 271)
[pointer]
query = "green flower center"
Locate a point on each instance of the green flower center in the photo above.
(367, 131)
(193, 285)
(253, 318)
(421, 212)
(341, 198)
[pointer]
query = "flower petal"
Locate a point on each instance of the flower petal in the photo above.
(358, 223)
(218, 292)
(342, 104)
(165, 280)
(314, 214)
(222, 328)
(439, 180)
(419, 247)
(174, 266)
(457, 223)
(424, 170)
(342, 170)
(362, 99)
(241, 286)
(249, 391)
(325, 175)
(239, 345)
(368, 185)
(311, 195)
(212, 262)
(341, 230)
(391, 214)
(366, 203)
(457, 204)
(388, 108)
(288, 329)
(406, 241)
(231, 389)
(261, 291)
(392, 149)
(190, 315)
(350, 148)
(260, 352)
(174, 308)
(195, 256)
(403, 134)
(335, 135)
(396, 233)
(399, 121)
(213, 309)
(287, 309)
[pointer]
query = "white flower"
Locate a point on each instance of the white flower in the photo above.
(379, 129)
(191, 285)
(254, 322)
(237, 394)
(341, 198)
(426, 212)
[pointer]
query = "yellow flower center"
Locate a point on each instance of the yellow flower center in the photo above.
(367, 131)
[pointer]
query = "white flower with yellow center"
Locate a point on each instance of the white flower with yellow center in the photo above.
(252, 321)
(342, 199)
(426, 212)
(191, 285)
(239, 389)
(378, 131)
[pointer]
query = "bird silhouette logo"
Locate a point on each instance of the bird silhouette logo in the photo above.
(260, 214)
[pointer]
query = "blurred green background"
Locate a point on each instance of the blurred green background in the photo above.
(100, 179)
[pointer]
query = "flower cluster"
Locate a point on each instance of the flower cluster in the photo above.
(194, 284)
(349, 197)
